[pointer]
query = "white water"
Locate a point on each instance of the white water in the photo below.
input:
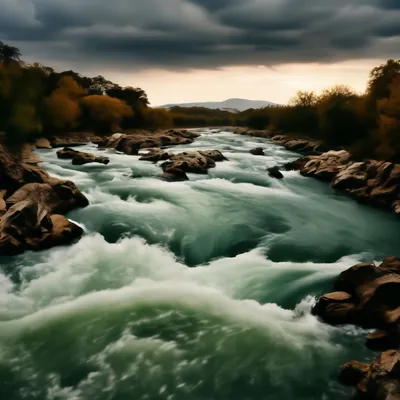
(188, 290)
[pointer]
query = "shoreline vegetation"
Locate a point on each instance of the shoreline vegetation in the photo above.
(347, 139)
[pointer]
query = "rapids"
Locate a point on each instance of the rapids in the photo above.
(189, 290)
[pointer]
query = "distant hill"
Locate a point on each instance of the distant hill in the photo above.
(232, 105)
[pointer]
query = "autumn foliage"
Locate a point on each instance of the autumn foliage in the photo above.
(106, 113)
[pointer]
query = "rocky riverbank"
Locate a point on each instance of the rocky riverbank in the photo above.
(32, 204)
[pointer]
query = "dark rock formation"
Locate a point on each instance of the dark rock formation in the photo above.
(174, 175)
(56, 196)
(30, 201)
(131, 143)
(379, 380)
(43, 143)
(373, 182)
(155, 155)
(79, 157)
(366, 295)
(198, 162)
(258, 151)
(29, 226)
(275, 173)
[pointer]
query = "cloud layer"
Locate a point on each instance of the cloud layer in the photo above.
(179, 34)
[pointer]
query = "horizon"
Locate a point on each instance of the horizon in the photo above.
(196, 51)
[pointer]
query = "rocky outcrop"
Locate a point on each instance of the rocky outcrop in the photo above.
(197, 162)
(258, 151)
(373, 182)
(43, 143)
(56, 196)
(80, 158)
(132, 143)
(365, 295)
(30, 204)
(174, 175)
(275, 173)
(379, 380)
(155, 155)
(29, 226)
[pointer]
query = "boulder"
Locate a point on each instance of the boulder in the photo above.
(366, 295)
(275, 173)
(132, 143)
(28, 226)
(198, 162)
(57, 196)
(79, 157)
(155, 155)
(258, 151)
(174, 175)
(215, 155)
(379, 380)
(43, 143)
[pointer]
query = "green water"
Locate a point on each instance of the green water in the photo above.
(190, 290)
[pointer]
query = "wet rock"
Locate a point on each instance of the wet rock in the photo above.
(258, 151)
(43, 143)
(215, 155)
(379, 380)
(275, 173)
(29, 226)
(56, 196)
(155, 155)
(132, 143)
(353, 372)
(384, 340)
(79, 157)
(198, 162)
(367, 295)
(174, 175)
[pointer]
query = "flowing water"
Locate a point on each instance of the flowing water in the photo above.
(190, 290)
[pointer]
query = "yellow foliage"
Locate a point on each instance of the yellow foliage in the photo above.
(106, 112)
(62, 106)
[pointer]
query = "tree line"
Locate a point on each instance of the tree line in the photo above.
(35, 100)
(367, 124)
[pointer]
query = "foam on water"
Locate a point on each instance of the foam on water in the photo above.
(188, 290)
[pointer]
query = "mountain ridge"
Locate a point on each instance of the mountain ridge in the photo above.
(229, 104)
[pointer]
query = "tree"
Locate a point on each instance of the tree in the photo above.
(381, 78)
(9, 53)
(106, 113)
(304, 99)
(62, 107)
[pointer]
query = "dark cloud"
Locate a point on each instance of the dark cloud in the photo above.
(200, 33)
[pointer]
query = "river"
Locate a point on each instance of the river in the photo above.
(190, 290)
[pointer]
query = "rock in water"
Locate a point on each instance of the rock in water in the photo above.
(366, 295)
(79, 157)
(197, 162)
(56, 196)
(43, 143)
(258, 151)
(275, 173)
(174, 175)
(155, 155)
(375, 381)
(29, 226)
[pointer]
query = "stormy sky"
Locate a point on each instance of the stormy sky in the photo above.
(188, 50)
